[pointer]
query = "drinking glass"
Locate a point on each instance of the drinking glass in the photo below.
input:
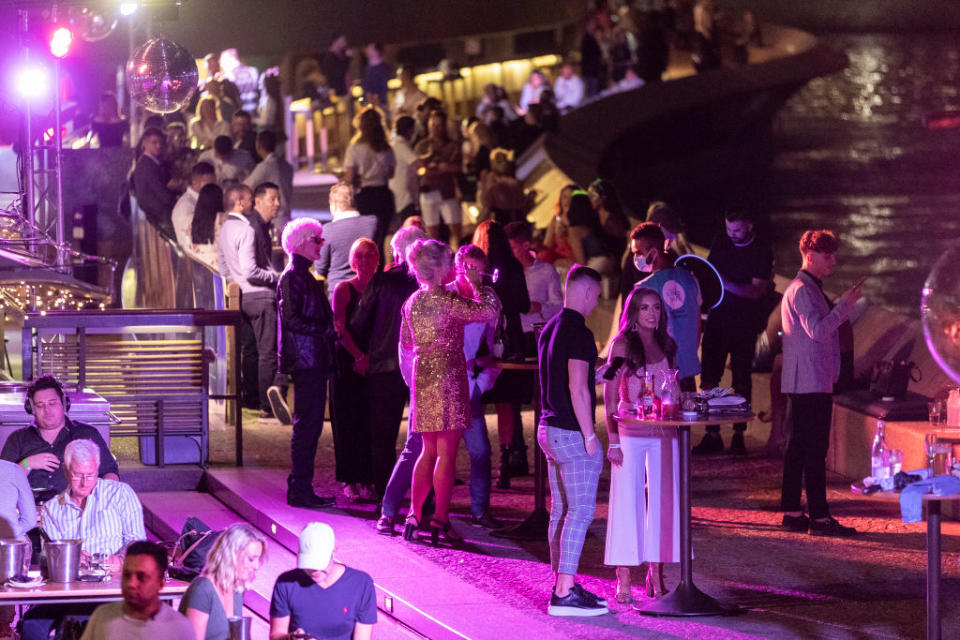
(930, 446)
(896, 461)
(935, 413)
(941, 458)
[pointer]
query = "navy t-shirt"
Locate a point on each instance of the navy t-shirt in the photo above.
(565, 337)
(325, 613)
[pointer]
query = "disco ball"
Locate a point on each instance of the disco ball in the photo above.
(95, 25)
(161, 75)
(940, 312)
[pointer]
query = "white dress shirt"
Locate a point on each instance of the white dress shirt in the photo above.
(543, 285)
(568, 92)
(404, 184)
(111, 519)
(183, 217)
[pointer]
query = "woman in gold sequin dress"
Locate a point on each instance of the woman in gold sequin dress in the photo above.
(432, 332)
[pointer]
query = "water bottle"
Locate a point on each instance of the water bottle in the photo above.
(880, 454)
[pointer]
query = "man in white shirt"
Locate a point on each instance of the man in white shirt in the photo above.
(273, 168)
(543, 281)
(404, 184)
(568, 89)
(201, 175)
(141, 615)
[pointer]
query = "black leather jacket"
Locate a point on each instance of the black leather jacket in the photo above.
(376, 323)
(306, 333)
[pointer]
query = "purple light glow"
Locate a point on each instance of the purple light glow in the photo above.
(32, 82)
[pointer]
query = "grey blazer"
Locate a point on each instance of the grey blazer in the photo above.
(811, 343)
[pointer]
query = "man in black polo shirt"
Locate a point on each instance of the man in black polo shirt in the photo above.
(745, 264)
(567, 356)
(39, 447)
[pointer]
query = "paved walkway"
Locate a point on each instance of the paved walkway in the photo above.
(792, 586)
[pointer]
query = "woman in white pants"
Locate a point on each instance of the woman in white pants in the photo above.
(643, 523)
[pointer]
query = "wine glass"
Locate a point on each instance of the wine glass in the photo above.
(930, 445)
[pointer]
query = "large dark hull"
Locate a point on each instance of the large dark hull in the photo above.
(698, 139)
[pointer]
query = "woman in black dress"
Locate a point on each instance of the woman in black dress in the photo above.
(350, 390)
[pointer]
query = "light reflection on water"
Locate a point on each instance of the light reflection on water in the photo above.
(853, 155)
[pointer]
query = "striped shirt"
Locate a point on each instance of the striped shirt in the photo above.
(111, 519)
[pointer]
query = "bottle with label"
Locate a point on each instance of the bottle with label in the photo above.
(880, 454)
(649, 396)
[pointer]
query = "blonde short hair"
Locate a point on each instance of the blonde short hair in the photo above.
(362, 244)
(426, 257)
(341, 197)
(401, 241)
(221, 565)
(297, 232)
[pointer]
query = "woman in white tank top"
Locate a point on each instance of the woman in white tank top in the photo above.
(641, 526)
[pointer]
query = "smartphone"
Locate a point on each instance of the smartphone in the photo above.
(613, 367)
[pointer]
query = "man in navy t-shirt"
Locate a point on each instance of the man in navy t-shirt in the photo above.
(567, 356)
(322, 597)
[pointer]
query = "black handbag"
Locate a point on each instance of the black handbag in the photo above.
(191, 549)
(891, 378)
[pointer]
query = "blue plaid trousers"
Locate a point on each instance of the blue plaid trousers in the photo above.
(573, 491)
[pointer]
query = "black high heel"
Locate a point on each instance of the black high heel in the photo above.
(442, 531)
(410, 526)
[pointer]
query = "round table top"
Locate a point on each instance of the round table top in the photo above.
(719, 419)
(513, 365)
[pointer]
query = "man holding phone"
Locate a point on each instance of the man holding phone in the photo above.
(811, 366)
(567, 356)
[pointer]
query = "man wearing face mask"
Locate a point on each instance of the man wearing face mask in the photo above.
(680, 292)
(745, 264)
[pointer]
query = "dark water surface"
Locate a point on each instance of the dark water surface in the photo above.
(853, 155)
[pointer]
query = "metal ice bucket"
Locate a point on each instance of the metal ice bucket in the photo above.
(63, 560)
(12, 553)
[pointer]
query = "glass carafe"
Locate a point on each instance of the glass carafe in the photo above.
(669, 395)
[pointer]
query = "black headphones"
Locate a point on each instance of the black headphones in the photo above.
(45, 382)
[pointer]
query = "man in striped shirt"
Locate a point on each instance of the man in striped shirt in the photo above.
(105, 514)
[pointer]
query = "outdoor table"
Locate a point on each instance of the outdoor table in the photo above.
(686, 599)
(933, 630)
(80, 592)
(534, 526)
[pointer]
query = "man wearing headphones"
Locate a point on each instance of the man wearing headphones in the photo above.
(39, 448)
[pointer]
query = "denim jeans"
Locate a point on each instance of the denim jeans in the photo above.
(402, 476)
(478, 446)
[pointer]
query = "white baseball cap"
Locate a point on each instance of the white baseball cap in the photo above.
(316, 546)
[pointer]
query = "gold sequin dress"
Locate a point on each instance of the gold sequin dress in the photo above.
(432, 330)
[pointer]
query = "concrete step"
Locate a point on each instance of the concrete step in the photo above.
(411, 588)
(165, 512)
(164, 515)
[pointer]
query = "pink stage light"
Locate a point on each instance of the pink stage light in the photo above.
(60, 42)
(32, 82)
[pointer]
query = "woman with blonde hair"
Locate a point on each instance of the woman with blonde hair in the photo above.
(207, 125)
(217, 594)
(642, 526)
(435, 368)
